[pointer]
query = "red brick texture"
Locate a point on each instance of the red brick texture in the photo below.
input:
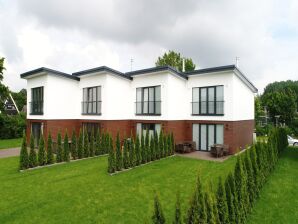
(237, 134)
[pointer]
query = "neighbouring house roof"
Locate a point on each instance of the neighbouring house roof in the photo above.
(130, 75)
(49, 71)
(101, 69)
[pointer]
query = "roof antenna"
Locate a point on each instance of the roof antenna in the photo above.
(183, 65)
(237, 61)
(131, 61)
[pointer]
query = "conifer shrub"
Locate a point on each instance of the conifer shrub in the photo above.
(172, 144)
(250, 179)
(32, 153)
(142, 149)
(126, 162)
(165, 146)
(169, 147)
(41, 152)
(161, 147)
(24, 159)
(86, 145)
(59, 157)
(222, 205)
(66, 156)
(178, 215)
(147, 147)
(132, 152)
(211, 219)
(255, 168)
(80, 145)
(74, 146)
(156, 146)
(158, 216)
(92, 144)
(111, 155)
(138, 151)
(119, 157)
(50, 154)
(98, 144)
(230, 199)
(152, 148)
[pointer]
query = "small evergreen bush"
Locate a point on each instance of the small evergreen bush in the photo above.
(66, 156)
(119, 157)
(158, 216)
(80, 145)
(24, 159)
(41, 152)
(32, 154)
(86, 144)
(74, 146)
(50, 154)
(59, 157)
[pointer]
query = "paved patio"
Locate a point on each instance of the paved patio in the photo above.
(203, 156)
(9, 152)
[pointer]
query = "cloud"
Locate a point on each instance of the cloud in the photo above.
(71, 36)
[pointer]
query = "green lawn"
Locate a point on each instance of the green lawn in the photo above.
(279, 197)
(10, 143)
(83, 192)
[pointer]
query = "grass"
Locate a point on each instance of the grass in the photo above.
(83, 192)
(279, 197)
(10, 143)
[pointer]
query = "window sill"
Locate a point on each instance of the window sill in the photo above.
(91, 114)
(207, 115)
(148, 114)
(36, 114)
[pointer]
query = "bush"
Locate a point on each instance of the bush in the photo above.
(86, 144)
(50, 154)
(92, 144)
(147, 148)
(66, 148)
(142, 149)
(222, 205)
(132, 152)
(158, 216)
(12, 126)
(119, 157)
(59, 157)
(41, 152)
(98, 144)
(24, 160)
(126, 163)
(80, 146)
(32, 154)
(111, 156)
(74, 146)
(178, 215)
(230, 198)
(138, 151)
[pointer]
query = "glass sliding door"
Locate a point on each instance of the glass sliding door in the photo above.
(195, 135)
(211, 136)
(203, 137)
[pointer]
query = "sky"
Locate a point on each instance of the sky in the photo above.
(70, 36)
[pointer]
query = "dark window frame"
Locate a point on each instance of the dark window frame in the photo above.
(37, 98)
(154, 113)
(215, 101)
(97, 102)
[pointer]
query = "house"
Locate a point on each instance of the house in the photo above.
(10, 106)
(212, 105)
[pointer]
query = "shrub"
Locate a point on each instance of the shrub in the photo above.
(24, 160)
(152, 153)
(255, 169)
(41, 152)
(142, 149)
(147, 147)
(32, 154)
(178, 216)
(111, 156)
(222, 205)
(59, 149)
(138, 151)
(92, 144)
(66, 148)
(80, 145)
(158, 216)
(250, 179)
(132, 152)
(50, 154)
(86, 144)
(156, 146)
(169, 147)
(172, 144)
(74, 146)
(119, 157)
(165, 146)
(230, 199)
(98, 144)
(12, 126)
(211, 219)
(161, 148)
(126, 163)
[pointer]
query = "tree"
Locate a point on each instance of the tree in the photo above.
(97, 144)
(138, 151)
(80, 146)
(111, 156)
(50, 154)
(147, 147)
(24, 160)
(197, 210)
(160, 141)
(251, 187)
(158, 216)
(156, 146)
(119, 157)
(74, 146)
(86, 144)
(20, 98)
(142, 149)
(230, 201)
(3, 89)
(222, 205)
(169, 145)
(152, 148)
(66, 148)
(41, 152)
(258, 108)
(92, 144)
(132, 152)
(178, 215)
(32, 154)
(59, 157)
(255, 169)
(175, 60)
(165, 146)
(172, 144)
(126, 162)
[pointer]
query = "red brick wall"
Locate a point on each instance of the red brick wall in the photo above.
(237, 134)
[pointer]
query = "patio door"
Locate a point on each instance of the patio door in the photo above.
(205, 135)
(36, 129)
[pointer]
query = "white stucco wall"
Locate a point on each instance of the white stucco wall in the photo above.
(63, 96)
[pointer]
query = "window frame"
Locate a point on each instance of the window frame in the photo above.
(207, 101)
(142, 113)
(37, 100)
(97, 102)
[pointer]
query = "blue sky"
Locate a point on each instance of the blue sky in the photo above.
(74, 35)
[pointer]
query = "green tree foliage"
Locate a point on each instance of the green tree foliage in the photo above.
(24, 159)
(156, 146)
(251, 187)
(255, 169)
(222, 205)
(119, 157)
(50, 154)
(11, 126)
(152, 148)
(98, 144)
(158, 216)
(230, 198)
(41, 152)
(142, 149)
(259, 111)
(86, 144)
(165, 146)
(111, 156)
(92, 144)
(132, 152)
(32, 154)
(74, 146)
(175, 60)
(66, 156)
(80, 145)
(178, 215)
(161, 147)
(138, 151)
(211, 219)
(20, 98)
(126, 162)
(147, 147)
(3, 89)
(197, 209)
(59, 157)
(172, 144)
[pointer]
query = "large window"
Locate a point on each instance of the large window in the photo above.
(148, 101)
(91, 100)
(208, 100)
(151, 127)
(36, 104)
